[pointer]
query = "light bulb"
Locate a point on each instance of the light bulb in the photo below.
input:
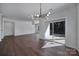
(49, 13)
(37, 15)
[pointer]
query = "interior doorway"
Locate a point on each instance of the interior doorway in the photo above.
(8, 28)
(56, 28)
(55, 33)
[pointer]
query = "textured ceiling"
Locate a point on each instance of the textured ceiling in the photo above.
(24, 11)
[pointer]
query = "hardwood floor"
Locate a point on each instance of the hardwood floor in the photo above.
(28, 45)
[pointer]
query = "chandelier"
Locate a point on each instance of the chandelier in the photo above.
(37, 17)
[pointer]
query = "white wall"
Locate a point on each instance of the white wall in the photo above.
(21, 27)
(0, 27)
(78, 26)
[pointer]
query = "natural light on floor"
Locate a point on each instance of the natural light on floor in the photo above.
(54, 44)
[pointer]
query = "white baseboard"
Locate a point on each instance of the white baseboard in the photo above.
(23, 34)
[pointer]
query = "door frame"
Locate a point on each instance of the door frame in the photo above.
(13, 27)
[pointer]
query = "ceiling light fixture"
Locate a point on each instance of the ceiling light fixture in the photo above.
(36, 17)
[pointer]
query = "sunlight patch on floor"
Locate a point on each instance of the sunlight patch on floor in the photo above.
(54, 44)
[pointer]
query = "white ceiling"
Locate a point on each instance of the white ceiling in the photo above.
(24, 11)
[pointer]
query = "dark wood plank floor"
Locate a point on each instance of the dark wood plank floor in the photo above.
(28, 45)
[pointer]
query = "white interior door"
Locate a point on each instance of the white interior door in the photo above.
(8, 28)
